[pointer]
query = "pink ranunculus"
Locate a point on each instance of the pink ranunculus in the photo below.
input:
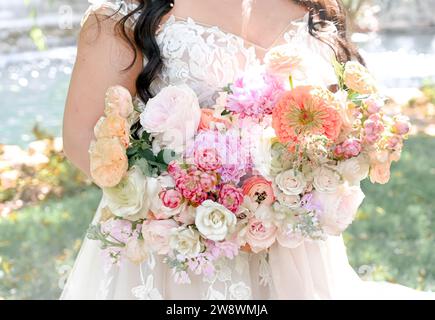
(156, 234)
(260, 235)
(351, 148)
(259, 190)
(174, 169)
(189, 184)
(373, 128)
(208, 181)
(401, 125)
(231, 197)
(207, 159)
(171, 198)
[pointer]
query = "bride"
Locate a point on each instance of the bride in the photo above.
(148, 45)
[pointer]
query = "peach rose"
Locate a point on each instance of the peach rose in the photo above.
(119, 102)
(108, 162)
(156, 234)
(380, 172)
(358, 78)
(208, 118)
(260, 235)
(259, 190)
(283, 61)
(113, 126)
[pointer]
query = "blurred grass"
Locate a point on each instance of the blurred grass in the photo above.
(394, 237)
(392, 240)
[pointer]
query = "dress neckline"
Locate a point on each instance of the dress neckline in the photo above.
(246, 43)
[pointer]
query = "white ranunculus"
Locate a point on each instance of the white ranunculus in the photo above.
(129, 199)
(326, 180)
(354, 170)
(214, 221)
(172, 117)
(291, 182)
(339, 208)
(185, 241)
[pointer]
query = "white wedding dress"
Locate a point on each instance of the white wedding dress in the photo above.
(207, 58)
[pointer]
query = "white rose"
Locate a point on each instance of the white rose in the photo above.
(240, 291)
(185, 241)
(135, 251)
(172, 117)
(129, 198)
(326, 180)
(291, 182)
(289, 201)
(338, 209)
(214, 221)
(354, 170)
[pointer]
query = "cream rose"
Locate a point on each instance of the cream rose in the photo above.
(214, 221)
(108, 162)
(136, 251)
(291, 182)
(260, 235)
(326, 180)
(186, 241)
(129, 199)
(354, 170)
(157, 233)
(339, 208)
(172, 117)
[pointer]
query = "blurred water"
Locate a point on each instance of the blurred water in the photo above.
(33, 84)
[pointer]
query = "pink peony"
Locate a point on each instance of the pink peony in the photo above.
(231, 197)
(171, 198)
(259, 235)
(208, 181)
(189, 184)
(156, 234)
(207, 159)
(254, 95)
(259, 190)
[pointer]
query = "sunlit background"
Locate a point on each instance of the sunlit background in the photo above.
(46, 205)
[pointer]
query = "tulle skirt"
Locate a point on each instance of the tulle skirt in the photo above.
(314, 270)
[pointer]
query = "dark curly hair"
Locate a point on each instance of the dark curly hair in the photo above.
(150, 13)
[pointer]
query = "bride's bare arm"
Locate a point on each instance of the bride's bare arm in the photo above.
(102, 57)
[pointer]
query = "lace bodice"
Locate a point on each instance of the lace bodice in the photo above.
(206, 58)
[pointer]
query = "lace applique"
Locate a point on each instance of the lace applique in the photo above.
(147, 291)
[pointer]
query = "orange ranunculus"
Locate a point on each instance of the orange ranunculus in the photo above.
(113, 126)
(207, 118)
(108, 162)
(300, 112)
(259, 190)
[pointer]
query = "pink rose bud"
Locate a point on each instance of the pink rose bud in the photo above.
(373, 106)
(171, 198)
(401, 126)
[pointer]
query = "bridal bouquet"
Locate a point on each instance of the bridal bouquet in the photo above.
(269, 163)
